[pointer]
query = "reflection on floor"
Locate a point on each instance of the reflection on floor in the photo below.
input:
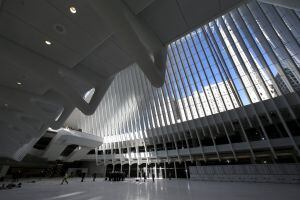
(161, 189)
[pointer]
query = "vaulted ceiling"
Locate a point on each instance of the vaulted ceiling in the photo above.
(55, 53)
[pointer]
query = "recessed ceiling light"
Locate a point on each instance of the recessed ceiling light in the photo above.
(73, 10)
(19, 83)
(47, 42)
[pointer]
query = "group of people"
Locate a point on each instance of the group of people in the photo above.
(115, 176)
(14, 183)
(66, 176)
(10, 186)
(145, 176)
(110, 176)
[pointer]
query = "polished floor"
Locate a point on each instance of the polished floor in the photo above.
(161, 189)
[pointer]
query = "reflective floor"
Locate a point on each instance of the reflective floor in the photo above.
(161, 189)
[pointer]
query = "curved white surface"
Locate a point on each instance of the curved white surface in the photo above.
(65, 137)
(40, 84)
(292, 4)
(50, 57)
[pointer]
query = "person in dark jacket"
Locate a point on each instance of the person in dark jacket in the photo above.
(144, 175)
(94, 176)
(82, 176)
(65, 179)
(153, 176)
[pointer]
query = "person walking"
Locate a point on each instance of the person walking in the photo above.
(82, 176)
(65, 179)
(144, 175)
(94, 176)
(153, 176)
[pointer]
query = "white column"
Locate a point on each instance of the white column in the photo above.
(155, 172)
(165, 169)
(129, 167)
(175, 170)
(105, 166)
(3, 170)
(186, 170)
(147, 168)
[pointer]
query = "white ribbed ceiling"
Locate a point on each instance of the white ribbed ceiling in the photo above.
(41, 82)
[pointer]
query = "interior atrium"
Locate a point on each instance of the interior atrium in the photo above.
(149, 99)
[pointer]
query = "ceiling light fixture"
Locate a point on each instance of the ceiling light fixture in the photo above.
(73, 10)
(47, 42)
(6, 105)
(19, 83)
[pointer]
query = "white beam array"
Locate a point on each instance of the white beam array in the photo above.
(216, 77)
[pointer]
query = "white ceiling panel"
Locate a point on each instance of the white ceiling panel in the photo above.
(137, 6)
(28, 37)
(198, 12)
(170, 19)
(165, 19)
(87, 49)
(87, 19)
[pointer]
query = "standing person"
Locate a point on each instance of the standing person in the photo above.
(144, 175)
(65, 179)
(123, 176)
(17, 176)
(113, 176)
(153, 176)
(14, 177)
(109, 176)
(94, 176)
(82, 176)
